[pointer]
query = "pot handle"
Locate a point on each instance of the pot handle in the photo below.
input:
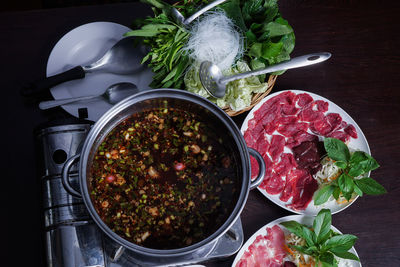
(256, 182)
(65, 177)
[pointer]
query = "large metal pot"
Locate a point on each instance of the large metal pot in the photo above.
(183, 100)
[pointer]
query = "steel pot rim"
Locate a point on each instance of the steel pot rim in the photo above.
(180, 95)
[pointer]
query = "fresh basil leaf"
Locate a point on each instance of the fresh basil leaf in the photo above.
(322, 225)
(372, 164)
(327, 258)
(336, 149)
(358, 190)
(357, 157)
(302, 249)
(345, 255)
(356, 170)
(340, 242)
(346, 184)
(294, 227)
(323, 194)
(341, 164)
(309, 236)
(336, 192)
(370, 186)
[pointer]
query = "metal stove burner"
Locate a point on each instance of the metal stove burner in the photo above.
(73, 239)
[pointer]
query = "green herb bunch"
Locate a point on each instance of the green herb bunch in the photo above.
(352, 166)
(166, 40)
(321, 242)
(270, 38)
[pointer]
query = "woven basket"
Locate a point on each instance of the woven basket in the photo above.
(255, 99)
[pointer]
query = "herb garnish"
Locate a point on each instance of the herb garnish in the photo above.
(321, 242)
(352, 166)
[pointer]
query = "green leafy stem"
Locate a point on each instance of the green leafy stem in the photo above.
(352, 165)
(321, 242)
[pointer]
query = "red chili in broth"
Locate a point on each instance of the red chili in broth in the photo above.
(163, 179)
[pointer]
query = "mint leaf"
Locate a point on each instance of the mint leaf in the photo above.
(323, 194)
(322, 225)
(340, 242)
(345, 255)
(370, 186)
(336, 149)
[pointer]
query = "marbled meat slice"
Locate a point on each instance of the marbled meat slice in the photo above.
(255, 169)
(351, 130)
(321, 126)
(289, 109)
(276, 147)
(340, 135)
(265, 251)
(262, 144)
(322, 105)
(303, 99)
(287, 120)
(300, 137)
(308, 113)
(335, 120)
(303, 192)
(291, 129)
(287, 163)
(291, 181)
(273, 183)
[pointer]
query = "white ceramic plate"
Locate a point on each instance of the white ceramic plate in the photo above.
(82, 46)
(358, 144)
(307, 220)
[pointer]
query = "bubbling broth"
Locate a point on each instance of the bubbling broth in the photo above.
(164, 179)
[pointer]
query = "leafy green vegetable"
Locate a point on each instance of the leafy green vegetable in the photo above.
(352, 167)
(321, 242)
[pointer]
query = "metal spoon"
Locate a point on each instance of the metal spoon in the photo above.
(112, 95)
(181, 19)
(215, 82)
(122, 58)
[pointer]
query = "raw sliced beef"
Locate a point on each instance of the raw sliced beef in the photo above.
(335, 120)
(250, 139)
(287, 120)
(286, 164)
(291, 181)
(265, 251)
(262, 144)
(308, 154)
(322, 105)
(321, 126)
(255, 169)
(340, 135)
(276, 101)
(308, 114)
(303, 99)
(276, 147)
(273, 183)
(351, 130)
(303, 192)
(300, 137)
(289, 109)
(291, 129)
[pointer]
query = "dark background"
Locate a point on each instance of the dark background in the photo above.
(362, 77)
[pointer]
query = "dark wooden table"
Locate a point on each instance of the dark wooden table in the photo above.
(362, 77)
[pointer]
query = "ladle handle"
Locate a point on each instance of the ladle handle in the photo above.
(201, 11)
(296, 62)
(55, 103)
(40, 86)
